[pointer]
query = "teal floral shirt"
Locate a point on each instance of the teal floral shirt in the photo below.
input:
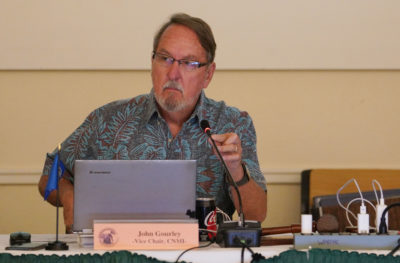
(134, 129)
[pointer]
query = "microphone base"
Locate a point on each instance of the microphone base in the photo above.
(230, 234)
(57, 245)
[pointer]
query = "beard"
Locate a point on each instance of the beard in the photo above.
(171, 102)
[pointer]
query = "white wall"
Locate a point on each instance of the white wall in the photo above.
(254, 34)
(304, 119)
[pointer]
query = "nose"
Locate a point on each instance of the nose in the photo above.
(174, 72)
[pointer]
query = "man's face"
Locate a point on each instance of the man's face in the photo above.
(175, 88)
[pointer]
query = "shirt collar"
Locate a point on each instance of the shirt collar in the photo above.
(199, 111)
(152, 109)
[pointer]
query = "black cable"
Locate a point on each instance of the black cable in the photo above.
(249, 249)
(395, 248)
(242, 254)
(383, 227)
(209, 244)
(255, 257)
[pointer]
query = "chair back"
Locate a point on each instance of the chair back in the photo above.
(318, 182)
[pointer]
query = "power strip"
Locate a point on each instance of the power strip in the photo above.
(231, 235)
(346, 241)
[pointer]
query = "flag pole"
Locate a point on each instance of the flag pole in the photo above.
(58, 194)
(57, 245)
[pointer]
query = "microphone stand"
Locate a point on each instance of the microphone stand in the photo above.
(230, 234)
(241, 221)
(57, 245)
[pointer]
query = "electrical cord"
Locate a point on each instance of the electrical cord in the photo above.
(380, 205)
(206, 245)
(380, 188)
(348, 209)
(255, 257)
(383, 227)
(225, 218)
(395, 248)
(207, 230)
(224, 215)
(340, 203)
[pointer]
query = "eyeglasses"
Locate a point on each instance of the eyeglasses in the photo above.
(185, 64)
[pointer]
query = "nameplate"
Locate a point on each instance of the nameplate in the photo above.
(145, 234)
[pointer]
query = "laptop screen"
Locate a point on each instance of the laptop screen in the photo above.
(133, 189)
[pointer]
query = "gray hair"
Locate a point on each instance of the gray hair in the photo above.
(201, 28)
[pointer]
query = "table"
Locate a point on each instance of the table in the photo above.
(211, 254)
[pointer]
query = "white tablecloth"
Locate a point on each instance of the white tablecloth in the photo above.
(211, 254)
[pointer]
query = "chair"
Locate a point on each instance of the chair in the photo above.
(326, 182)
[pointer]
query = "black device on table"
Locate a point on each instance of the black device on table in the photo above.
(22, 241)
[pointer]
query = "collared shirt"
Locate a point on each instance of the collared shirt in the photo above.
(134, 129)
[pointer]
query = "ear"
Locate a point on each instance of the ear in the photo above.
(151, 63)
(209, 74)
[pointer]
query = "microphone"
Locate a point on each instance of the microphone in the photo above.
(205, 126)
(233, 234)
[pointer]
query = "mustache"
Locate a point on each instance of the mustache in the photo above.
(173, 85)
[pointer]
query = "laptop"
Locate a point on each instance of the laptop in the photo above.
(133, 189)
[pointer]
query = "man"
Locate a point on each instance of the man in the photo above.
(165, 124)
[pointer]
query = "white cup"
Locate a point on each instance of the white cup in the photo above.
(306, 224)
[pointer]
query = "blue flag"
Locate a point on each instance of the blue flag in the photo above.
(52, 182)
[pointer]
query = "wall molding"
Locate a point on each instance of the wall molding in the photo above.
(19, 176)
(31, 176)
(282, 176)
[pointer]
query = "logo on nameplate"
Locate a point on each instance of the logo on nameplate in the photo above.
(108, 237)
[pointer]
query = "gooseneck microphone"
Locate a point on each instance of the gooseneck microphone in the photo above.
(205, 126)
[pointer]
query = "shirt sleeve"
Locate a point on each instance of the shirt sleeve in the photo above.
(77, 146)
(248, 137)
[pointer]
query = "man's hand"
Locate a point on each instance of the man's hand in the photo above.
(253, 197)
(230, 147)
